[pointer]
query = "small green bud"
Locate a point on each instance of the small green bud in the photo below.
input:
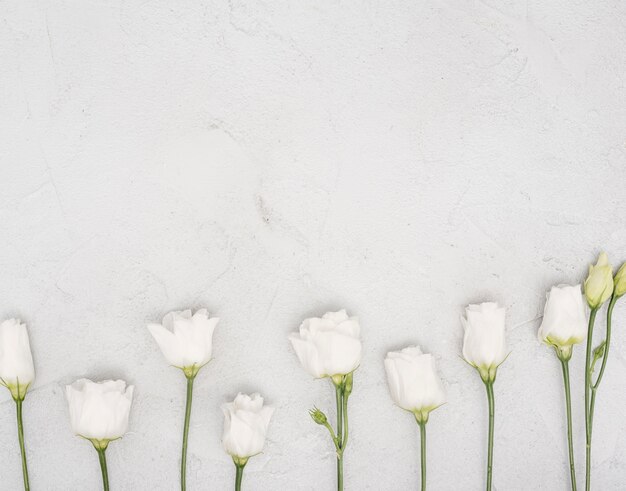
(620, 281)
(598, 352)
(318, 416)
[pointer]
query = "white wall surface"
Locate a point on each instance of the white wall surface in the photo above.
(274, 160)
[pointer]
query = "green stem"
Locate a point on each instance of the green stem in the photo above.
(340, 442)
(20, 434)
(239, 476)
(609, 315)
(344, 405)
(183, 463)
(588, 406)
(568, 403)
(591, 387)
(489, 386)
(103, 468)
(423, 453)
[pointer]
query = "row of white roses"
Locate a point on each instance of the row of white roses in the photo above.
(327, 347)
(99, 411)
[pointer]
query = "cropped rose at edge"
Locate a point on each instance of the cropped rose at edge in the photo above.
(413, 381)
(246, 421)
(599, 282)
(620, 281)
(186, 340)
(484, 343)
(329, 345)
(99, 411)
(564, 320)
(17, 371)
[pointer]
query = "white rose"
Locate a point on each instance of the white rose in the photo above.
(484, 345)
(245, 425)
(99, 410)
(16, 361)
(413, 381)
(186, 340)
(564, 318)
(329, 345)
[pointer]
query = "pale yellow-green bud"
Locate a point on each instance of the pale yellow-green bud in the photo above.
(599, 282)
(620, 281)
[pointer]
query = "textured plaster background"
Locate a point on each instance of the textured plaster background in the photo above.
(275, 160)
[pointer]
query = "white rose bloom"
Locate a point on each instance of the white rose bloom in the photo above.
(17, 371)
(564, 318)
(484, 345)
(245, 426)
(186, 340)
(99, 410)
(413, 381)
(329, 345)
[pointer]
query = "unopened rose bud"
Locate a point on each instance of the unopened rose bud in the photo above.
(620, 281)
(599, 282)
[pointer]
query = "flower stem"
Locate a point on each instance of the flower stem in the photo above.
(590, 386)
(340, 442)
(568, 403)
(103, 468)
(609, 315)
(344, 406)
(489, 387)
(423, 452)
(588, 406)
(183, 462)
(239, 476)
(20, 434)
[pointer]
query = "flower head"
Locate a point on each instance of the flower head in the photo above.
(99, 410)
(246, 420)
(17, 371)
(564, 319)
(413, 381)
(186, 340)
(328, 346)
(484, 344)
